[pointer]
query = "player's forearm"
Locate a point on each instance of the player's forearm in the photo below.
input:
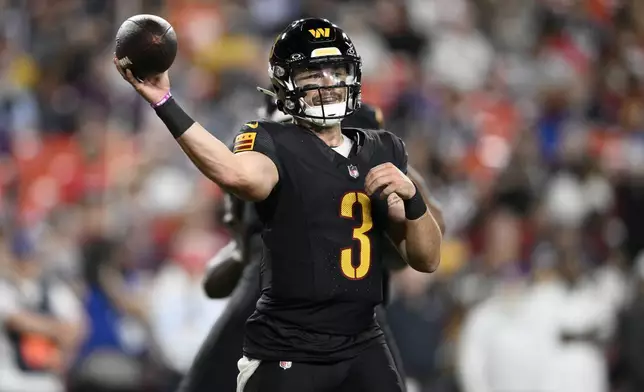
(219, 164)
(243, 176)
(213, 159)
(422, 187)
(419, 234)
(422, 243)
(437, 214)
(433, 208)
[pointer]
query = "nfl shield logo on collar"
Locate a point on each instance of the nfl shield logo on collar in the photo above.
(286, 364)
(353, 171)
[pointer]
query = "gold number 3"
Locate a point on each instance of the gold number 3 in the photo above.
(359, 234)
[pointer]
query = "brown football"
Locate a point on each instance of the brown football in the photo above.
(146, 44)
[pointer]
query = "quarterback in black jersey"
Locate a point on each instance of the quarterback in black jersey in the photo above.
(328, 199)
(236, 267)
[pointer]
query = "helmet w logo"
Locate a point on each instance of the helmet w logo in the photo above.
(321, 32)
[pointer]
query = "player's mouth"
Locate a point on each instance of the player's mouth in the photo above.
(326, 100)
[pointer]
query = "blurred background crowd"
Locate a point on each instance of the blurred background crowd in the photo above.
(526, 117)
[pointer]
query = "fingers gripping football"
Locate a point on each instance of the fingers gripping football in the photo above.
(127, 75)
(153, 88)
(388, 179)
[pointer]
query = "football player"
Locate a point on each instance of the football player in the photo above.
(236, 267)
(328, 198)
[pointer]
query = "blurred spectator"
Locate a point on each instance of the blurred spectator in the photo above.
(42, 324)
(118, 335)
(500, 348)
(461, 57)
(578, 322)
(180, 314)
(418, 317)
(578, 190)
(396, 31)
(631, 337)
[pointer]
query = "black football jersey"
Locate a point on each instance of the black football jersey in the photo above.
(367, 117)
(322, 265)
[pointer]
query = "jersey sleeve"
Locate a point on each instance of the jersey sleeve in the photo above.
(400, 153)
(253, 137)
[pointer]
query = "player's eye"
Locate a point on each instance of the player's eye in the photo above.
(310, 80)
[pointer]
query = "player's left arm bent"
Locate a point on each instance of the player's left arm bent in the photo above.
(394, 257)
(412, 226)
(432, 204)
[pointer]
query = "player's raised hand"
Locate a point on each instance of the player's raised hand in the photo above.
(153, 88)
(388, 179)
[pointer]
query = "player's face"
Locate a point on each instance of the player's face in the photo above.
(321, 78)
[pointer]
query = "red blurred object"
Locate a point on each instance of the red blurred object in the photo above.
(56, 171)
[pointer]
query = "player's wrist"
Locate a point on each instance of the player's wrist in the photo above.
(156, 102)
(415, 206)
(172, 115)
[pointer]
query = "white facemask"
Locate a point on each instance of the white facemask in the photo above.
(328, 114)
(334, 113)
